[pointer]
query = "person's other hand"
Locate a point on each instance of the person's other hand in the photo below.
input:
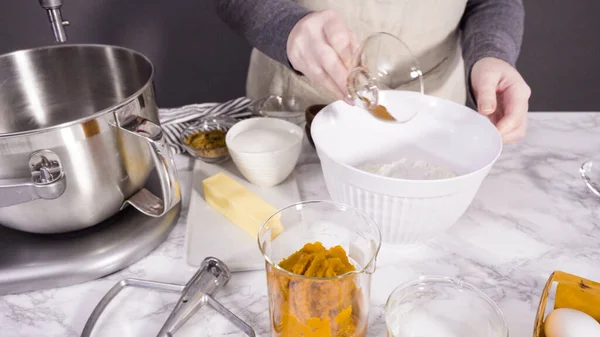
(502, 95)
(320, 46)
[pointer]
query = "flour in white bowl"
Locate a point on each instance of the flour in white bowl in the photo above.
(405, 168)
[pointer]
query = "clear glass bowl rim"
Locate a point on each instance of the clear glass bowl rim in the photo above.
(455, 283)
(371, 263)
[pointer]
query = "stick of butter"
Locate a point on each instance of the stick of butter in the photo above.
(242, 207)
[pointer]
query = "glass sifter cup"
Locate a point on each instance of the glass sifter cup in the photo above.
(385, 79)
(317, 304)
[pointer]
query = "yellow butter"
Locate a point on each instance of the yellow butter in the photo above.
(242, 207)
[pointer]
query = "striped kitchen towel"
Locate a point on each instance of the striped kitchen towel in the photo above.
(175, 121)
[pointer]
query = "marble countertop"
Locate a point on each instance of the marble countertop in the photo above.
(532, 215)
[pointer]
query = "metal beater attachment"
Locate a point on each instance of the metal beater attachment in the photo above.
(56, 19)
(200, 290)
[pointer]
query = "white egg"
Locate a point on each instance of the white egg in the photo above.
(571, 323)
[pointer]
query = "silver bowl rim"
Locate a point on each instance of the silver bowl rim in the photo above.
(96, 114)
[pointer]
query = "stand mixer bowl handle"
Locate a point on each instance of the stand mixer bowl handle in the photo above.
(144, 200)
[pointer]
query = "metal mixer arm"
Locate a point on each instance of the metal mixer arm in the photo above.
(56, 19)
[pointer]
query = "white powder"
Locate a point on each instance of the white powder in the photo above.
(259, 140)
(409, 169)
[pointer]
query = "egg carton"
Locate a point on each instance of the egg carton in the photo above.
(567, 291)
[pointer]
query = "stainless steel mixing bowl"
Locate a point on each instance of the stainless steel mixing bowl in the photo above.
(79, 136)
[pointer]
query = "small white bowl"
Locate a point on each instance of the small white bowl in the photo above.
(271, 166)
(443, 133)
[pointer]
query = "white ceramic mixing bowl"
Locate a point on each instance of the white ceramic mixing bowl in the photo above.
(443, 133)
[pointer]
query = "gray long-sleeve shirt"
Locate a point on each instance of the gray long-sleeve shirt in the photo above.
(490, 28)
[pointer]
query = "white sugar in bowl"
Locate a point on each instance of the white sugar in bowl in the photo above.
(265, 150)
(408, 210)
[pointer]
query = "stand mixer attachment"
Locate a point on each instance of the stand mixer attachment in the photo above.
(199, 290)
(56, 19)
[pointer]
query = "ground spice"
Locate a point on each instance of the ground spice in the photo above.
(209, 143)
(326, 306)
(379, 111)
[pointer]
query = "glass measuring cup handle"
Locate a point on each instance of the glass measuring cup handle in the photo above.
(362, 88)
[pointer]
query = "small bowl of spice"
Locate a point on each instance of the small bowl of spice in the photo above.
(205, 139)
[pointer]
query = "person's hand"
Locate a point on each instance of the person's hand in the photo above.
(502, 95)
(320, 46)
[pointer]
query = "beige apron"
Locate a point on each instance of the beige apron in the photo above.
(428, 27)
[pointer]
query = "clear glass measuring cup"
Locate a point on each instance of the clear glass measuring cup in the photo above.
(301, 305)
(442, 306)
(385, 79)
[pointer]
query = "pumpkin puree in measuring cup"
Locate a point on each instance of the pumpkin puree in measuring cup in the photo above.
(319, 298)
